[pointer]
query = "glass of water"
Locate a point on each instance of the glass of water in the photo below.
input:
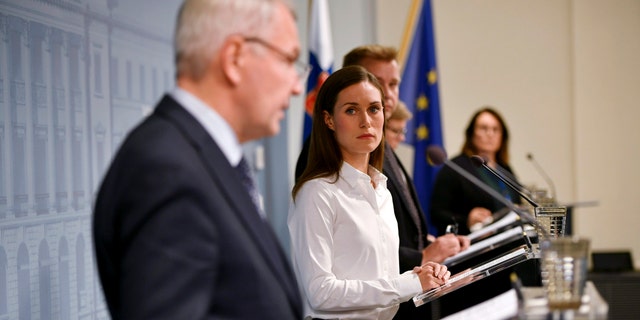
(564, 271)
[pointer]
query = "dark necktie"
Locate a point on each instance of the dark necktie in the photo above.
(404, 188)
(246, 177)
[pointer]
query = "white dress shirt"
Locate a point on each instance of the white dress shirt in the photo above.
(344, 243)
(216, 126)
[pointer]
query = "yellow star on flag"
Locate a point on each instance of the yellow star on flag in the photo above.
(422, 103)
(422, 133)
(432, 77)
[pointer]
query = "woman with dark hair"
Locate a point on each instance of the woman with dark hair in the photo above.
(344, 235)
(458, 201)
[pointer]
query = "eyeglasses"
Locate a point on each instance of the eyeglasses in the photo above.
(397, 131)
(488, 129)
(302, 69)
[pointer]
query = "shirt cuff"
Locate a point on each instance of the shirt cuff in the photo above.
(409, 284)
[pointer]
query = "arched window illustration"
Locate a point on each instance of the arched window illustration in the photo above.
(3, 282)
(24, 286)
(80, 274)
(45, 280)
(63, 279)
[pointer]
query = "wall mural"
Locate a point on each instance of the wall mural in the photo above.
(75, 76)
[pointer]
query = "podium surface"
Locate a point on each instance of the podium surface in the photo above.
(533, 306)
(476, 273)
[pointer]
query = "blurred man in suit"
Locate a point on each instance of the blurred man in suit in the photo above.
(178, 234)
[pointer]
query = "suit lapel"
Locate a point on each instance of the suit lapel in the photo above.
(224, 174)
(396, 181)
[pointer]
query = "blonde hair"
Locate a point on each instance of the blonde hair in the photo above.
(401, 112)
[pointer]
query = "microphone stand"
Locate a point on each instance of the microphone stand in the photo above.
(509, 176)
(479, 161)
(502, 260)
(553, 216)
(544, 176)
(437, 155)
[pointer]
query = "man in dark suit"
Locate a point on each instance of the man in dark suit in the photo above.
(178, 235)
(415, 249)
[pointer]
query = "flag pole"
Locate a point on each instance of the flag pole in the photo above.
(409, 29)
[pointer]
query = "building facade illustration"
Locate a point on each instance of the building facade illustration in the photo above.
(75, 76)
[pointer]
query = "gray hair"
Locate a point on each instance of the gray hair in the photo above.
(203, 25)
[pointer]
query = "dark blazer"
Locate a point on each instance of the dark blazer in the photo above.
(177, 236)
(408, 230)
(410, 253)
(454, 196)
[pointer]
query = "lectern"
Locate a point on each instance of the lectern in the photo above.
(494, 252)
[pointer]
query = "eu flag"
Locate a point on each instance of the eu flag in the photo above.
(419, 90)
(320, 56)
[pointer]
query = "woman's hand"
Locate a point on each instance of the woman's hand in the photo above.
(478, 215)
(432, 275)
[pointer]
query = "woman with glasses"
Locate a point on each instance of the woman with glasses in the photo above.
(456, 200)
(396, 127)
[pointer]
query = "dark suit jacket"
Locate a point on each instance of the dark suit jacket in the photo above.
(454, 196)
(408, 230)
(177, 236)
(410, 254)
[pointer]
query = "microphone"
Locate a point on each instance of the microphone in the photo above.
(509, 176)
(479, 161)
(437, 156)
(544, 175)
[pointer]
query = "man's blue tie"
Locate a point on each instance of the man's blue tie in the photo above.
(246, 177)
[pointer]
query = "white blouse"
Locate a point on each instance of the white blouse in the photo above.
(344, 244)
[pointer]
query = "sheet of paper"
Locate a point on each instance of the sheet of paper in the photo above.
(508, 219)
(503, 306)
(486, 243)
